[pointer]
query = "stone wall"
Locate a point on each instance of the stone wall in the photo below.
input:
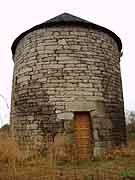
(59, 70)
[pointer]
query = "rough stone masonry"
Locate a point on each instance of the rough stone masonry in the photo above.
(67, 82)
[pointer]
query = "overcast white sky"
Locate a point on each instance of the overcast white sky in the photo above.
(16, 16)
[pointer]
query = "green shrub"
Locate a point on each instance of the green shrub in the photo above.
(87, 178)
(127, 173)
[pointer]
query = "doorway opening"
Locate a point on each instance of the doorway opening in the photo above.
(83, 134)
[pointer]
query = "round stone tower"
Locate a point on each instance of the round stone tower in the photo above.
(67, 83)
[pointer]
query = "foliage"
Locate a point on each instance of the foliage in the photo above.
(127, 173)
(5, 128)
(87, 178)
(131, 135)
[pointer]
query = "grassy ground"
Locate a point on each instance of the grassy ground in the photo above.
(119, 163)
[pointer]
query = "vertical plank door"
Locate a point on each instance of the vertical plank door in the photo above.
(82, 132)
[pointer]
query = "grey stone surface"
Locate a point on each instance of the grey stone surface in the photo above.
(65, 115)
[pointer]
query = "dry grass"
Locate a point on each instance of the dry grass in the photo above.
(9, 150)
(61, 164)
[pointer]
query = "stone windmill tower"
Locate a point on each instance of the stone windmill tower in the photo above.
(67, 77)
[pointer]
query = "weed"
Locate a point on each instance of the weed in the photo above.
(127, 173)
(87, 178)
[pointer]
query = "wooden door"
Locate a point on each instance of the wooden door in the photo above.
(83, 138)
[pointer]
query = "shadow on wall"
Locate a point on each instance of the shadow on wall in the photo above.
(35, 116)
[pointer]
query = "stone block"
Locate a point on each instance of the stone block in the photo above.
(98, 151)
(75, 47)
(65, 116)
(80, 105)
(24, 78)
(62, 42)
